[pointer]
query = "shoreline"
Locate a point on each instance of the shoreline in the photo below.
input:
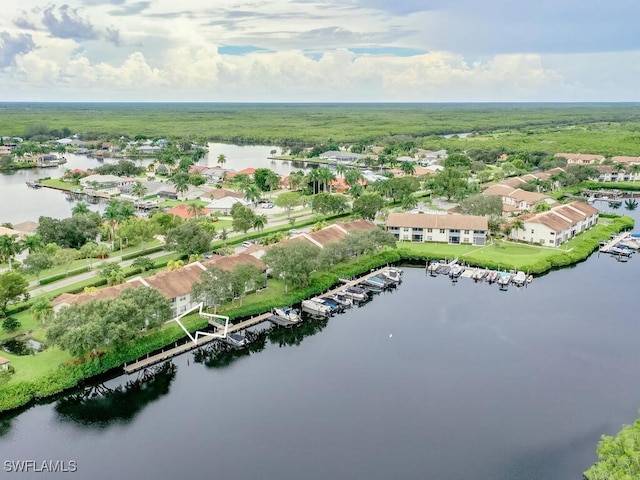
(68, 377)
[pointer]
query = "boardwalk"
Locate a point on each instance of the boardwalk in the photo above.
(606, 248)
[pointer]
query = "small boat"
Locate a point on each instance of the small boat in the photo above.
(393, 275)
(443, 269)
(355, 293)
(342, 299)
(236, 340)
(492, 276)
(620, 251)
(333, 305)
(504, 279)
(479, 274)
(519, 279)
(316, 308)
(530, 279)
(456, 271)
(287, 313)
(375, 282)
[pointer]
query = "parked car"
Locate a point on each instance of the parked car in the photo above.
(265, 204)
(247, 244)
(294, 231)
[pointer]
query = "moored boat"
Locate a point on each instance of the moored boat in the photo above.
(519, 278)
(316, 308)
(342, 299)
(479, 274)
(287, 313)
(355, 293)
(456, 271)
(492, 276)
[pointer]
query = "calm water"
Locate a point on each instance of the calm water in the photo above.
(20, 203)
(431, 381)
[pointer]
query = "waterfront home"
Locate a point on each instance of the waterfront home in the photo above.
(212, 174)
(333, 233)
(174, 285)
(447, 228)
(106, 181)
(245, 171)
(611, 173)
(517, 182)
(342, 157)
(557, 225)
(4, 363)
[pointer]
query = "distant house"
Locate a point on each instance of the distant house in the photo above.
(184, 211)
(106, 181)
(245, 171)
(558, 225)
(4, 363)
(581, 158)
(516, 199)
(220, 193)
(224, 205)
(212, 174)
(342, 157)
(453, 229)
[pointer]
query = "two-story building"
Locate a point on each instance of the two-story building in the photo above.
(557, 225)
(448, 228)
(517, 200)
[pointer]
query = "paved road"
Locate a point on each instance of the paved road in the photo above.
(35, 289)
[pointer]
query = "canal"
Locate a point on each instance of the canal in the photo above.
(434, 380)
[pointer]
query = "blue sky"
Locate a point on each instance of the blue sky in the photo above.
(320, 50)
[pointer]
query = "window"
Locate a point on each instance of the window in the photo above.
(466, 232)
(532, 230)
(465, 240)
(442, 230)
(183, 298)
(429, 230)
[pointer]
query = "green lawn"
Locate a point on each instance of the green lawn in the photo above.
(57, 183)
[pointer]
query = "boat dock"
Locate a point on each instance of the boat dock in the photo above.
(611, 244)
(150, 360)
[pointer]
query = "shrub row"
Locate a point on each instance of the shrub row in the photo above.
(140, 253)
(60, 276)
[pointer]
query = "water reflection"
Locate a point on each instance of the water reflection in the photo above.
(103, 406)
(219, 355)
(287, 337)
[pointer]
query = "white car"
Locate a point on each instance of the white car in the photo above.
(247, 244)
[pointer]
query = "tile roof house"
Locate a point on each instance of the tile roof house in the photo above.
(184, 211)
(224, 205)
(448, 228)
(557, 225)
(516, 199)
(333, 233)
(218, 193)
(580, 158)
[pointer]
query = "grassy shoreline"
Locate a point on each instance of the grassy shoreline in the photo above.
(532, 259)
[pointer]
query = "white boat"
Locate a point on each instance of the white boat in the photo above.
(479, 274)
(316, 308)
(287, 313)
(342, 299)
(520, 278)
(456, 271)
(392, 274)
(504, 279)
(492, 276)
(236, 340)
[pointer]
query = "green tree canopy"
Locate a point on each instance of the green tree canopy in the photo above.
(293, 262)
(189, 238)
(13, 287)
(482, 205)
(368, 205)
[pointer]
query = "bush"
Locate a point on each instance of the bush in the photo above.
(10, 324)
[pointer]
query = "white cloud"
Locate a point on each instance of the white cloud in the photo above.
(490, 51)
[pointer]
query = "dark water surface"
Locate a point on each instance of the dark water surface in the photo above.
(432, 381)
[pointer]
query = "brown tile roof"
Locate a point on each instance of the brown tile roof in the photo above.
(585, 208)
(581, 157)
(499, 189)
(357, 225)
(623, 159)
(551, 220)
(230, 262)
(107, 293)
(423, 220)
(530, 197)
(26, 227)
(3, 361)
(513, 182)
(218, 193)
(330, 234)
(176, 282)
(182, 211)
(572, 214)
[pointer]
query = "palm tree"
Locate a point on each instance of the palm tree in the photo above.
(517, 225)
(181, 182)
(222, 159)
(635, 169)
(139, 190)
(41, 309)
(195, 209)
(409, 168)
(80, 208)
(9, 247)
(198, 154)
(252, 193)
(259, 222)
(325, 176)
(341, 170)
(32, 243)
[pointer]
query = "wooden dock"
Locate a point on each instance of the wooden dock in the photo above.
(606, 248)
(150, 360)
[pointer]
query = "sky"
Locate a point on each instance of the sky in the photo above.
(320, 51)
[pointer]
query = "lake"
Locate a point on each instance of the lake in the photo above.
(21, 203)
(435, 380)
